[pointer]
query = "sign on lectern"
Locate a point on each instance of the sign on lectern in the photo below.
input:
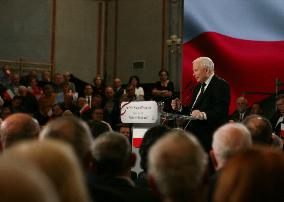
(139, 112)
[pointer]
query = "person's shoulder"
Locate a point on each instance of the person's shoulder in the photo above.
(219, 79)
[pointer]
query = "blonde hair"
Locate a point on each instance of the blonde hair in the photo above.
(58, 161)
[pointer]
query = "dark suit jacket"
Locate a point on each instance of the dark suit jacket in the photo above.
(275, 128)
(215, 103)
(236, 115)
(124, 188)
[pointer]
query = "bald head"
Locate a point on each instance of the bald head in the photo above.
(260, 129)
(228, 140)
(18, 127)
(23, 182)
(177, 157)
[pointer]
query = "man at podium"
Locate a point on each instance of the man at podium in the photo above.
(210, 103)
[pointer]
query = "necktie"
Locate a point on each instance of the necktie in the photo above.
(89, 100)
(241, 117)
(202, 89)
(200, 95)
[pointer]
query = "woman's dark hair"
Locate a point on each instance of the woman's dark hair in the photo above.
(150, 137)
(136, 78)
(164, 70)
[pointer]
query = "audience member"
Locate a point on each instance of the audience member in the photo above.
(5, 76)
(251, 176)
(241, 111)
(29, 102)
(18, 127)
(111, 107)
(163, 90)
(15, 83)
(57, 83)
(228, 140)
(277, 120)
(97, 101)
(68, 103)
(117, 87)
(66, 78)
(135, 82)
(99, 87)
(25, 80)
(16, 105)
(22, 182)
(88, 94)
(5, 112)
(151, 136)
(46, 101)
(83, 109)
(256, 108)
(125, 129)
(130, 95)
(177, 166)
(260, 129)
(34, 89)
(98, 116)
(58, 162)
(57, 111)
(45, 79)
(73, 131)
(113, 160)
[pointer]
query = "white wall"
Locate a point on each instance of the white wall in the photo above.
(76, 35)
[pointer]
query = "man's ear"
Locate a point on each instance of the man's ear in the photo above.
(213, 159)
(133, 159)
(153, 186)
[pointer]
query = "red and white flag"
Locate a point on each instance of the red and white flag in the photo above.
(8, 95)
(85, 108)
(245, 39)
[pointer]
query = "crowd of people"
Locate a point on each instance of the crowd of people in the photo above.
(45, 98)
(61, 144)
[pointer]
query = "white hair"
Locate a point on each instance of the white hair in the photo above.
(205, 62)
(177, 163)
(229, 139)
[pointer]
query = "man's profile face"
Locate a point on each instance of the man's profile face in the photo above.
(201, 74)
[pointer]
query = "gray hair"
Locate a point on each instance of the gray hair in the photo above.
(111, 152)
(177, 163)
(72, 130)
(205, 62)
(228, 140)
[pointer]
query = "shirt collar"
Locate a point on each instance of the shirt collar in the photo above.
(209, 79)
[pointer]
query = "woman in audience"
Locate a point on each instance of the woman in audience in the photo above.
(99, 87)
(34, 89)
(163, 90)
(135, 81)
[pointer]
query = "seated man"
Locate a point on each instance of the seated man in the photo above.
(241, 111)
(177, 164)
(18, 127)
(113, 160)
(261, 131)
